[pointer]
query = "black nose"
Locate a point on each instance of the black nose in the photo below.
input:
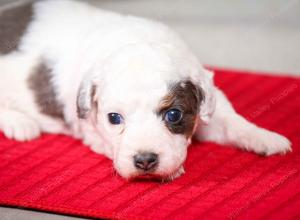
(145, 161)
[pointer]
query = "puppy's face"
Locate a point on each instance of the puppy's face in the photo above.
(147, 119)
(149, 128)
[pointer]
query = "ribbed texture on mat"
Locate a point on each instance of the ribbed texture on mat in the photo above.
(60, 174)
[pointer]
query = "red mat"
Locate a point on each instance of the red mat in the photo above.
(59, 174)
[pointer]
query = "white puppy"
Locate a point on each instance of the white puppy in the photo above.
(128, 87)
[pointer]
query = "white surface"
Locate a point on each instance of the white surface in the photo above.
(20, 214)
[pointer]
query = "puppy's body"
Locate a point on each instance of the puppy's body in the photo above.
(75, 64)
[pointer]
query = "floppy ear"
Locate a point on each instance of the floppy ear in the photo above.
(85, 98)
(208, 104)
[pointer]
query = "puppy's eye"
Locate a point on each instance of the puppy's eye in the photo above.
(115, 118)
(173, 115)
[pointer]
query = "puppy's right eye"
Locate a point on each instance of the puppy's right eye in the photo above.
(173, 116)
(115, 118)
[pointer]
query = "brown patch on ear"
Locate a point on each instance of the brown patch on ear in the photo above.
(43, 89)
(186, 97)
(13, 24)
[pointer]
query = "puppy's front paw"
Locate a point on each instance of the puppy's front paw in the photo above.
(280, 145)
(272, 143)
(18, 126)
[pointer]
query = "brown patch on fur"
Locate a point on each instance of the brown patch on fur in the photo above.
(13, 24)
(40, 83)
(186, 97)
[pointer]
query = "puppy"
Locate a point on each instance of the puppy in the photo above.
(128, 87)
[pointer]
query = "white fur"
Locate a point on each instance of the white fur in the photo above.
(130, 60)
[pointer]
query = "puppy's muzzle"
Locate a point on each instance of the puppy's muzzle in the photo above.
(146, 161)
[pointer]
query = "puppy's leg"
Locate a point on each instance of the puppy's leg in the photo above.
(228, 127)
(15, 99)
(18, 125)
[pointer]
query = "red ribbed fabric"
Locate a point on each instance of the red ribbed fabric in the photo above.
(59, 174)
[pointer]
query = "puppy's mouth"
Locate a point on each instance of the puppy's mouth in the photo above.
(148, 176)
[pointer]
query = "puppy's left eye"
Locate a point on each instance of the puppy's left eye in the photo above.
(115, 118)
(173, 116)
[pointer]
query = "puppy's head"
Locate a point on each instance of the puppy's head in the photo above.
(147, 117)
